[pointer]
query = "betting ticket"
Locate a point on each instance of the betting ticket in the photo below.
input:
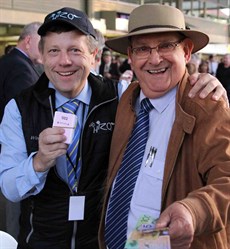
(68, 122)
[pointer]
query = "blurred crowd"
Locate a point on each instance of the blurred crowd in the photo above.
(218, 66)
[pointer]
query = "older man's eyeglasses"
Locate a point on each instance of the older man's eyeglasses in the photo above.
(163, 48)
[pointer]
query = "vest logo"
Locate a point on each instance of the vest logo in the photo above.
(99, 126)
(35, 138)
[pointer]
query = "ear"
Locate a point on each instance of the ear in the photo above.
(129, 52)
(27, 41)
(93, 56)
(130, 58)
(95, 52)
(42, 58)
(188, 47)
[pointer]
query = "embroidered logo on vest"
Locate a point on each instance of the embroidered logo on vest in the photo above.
(99, 126)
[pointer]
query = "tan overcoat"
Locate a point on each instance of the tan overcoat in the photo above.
(197, 167)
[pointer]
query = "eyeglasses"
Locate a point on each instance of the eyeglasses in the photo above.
(163, 48)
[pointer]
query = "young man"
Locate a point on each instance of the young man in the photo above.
(170, 155)
(60, 208)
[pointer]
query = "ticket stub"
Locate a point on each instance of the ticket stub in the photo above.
(68, 122)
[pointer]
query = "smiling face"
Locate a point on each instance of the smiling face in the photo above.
(67, 61)
(159, 73)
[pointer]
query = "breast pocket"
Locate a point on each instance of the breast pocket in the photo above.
(149, 186)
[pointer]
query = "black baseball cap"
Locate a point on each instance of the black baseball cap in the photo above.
(74, 17)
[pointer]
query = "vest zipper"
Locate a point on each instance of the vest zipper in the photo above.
(31, 223)
(73, 239)
(83, 128)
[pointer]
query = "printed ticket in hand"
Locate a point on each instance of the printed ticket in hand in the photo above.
(67, 121)
(146, 236)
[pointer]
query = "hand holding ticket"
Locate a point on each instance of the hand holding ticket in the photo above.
(67, 121)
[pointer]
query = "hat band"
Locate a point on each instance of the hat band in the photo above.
(154, 26)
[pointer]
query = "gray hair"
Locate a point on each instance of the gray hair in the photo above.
(29, 29)
(100, 39)
(100, 43)
(92, 43)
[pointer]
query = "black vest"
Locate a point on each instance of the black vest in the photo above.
(44, 218)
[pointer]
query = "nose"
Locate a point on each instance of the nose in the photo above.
(154, 57)
(64, 59)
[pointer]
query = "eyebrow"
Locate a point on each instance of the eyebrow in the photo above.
(143, 43)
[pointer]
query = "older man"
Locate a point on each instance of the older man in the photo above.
(18, 68)
(170, 155)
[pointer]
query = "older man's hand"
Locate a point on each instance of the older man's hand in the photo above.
(180, 223)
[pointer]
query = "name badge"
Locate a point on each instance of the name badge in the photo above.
(76, 207)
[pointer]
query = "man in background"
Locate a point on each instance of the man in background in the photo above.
(8, 49)
(18, 70)
(223, 73)
(213, 64)
(109, 67)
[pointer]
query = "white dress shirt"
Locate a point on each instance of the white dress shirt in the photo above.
(146, 198)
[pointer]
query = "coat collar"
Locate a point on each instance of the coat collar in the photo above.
(184, 124)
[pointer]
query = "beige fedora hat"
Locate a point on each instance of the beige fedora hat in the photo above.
(155, 18)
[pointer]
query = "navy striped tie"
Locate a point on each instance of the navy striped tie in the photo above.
(121, 195)
(73, 165)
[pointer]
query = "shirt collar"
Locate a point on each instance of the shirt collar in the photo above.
(84, 96)
(161, 103)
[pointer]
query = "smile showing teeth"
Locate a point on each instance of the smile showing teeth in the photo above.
(65, 73)
(157, 71)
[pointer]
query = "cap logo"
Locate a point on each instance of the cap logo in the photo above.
(64, 15)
